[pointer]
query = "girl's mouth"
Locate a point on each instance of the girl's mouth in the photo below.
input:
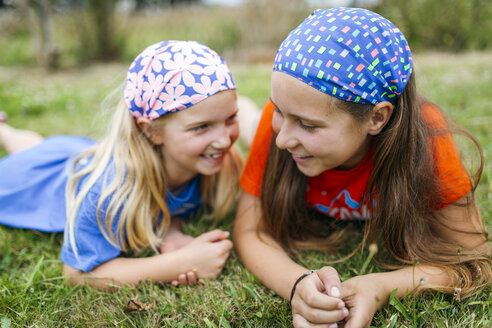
(301, 159)
(213, 156)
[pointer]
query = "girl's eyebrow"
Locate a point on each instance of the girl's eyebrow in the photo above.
(205, 121)
(197, 123)
(300, 117)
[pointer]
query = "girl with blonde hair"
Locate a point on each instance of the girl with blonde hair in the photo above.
(168, 152)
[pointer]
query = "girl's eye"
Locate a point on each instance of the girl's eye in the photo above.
(307, 127)
(276, 110)
(231, 119)
(199, 127)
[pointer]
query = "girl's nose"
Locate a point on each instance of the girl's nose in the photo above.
(223, 139)
(285, 139)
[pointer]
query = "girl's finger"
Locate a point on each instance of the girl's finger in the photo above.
(182, 279)
(331, 280)
(225, 244)
(320, 316)
(300, 322)
(191, 278)
(310, 293)
(214, 235)
(174, 283)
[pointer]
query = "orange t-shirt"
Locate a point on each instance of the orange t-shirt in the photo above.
(342, 193)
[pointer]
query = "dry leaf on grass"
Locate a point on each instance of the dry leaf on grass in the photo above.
(136, 305)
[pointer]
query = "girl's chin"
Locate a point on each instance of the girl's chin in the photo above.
(309, 172)
(211, 170)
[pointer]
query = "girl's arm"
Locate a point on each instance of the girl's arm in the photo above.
(266, 259)
(175, 238)
(205, 256)
(365, 294)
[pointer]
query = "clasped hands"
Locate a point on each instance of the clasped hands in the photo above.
(206, 254)
(322, 300)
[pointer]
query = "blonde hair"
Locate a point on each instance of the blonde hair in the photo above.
(135, 183)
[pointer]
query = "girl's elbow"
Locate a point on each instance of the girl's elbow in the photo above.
(78, 278)
(73, 276)
(238, 235)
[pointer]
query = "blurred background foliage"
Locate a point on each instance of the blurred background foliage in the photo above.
(88, 30)
(450, 25)
(67, 33)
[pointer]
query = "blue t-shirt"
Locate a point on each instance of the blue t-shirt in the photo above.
(32, 196)
(92, 247)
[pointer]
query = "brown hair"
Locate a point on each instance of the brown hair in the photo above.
(404, 180)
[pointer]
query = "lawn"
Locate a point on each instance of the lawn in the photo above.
(33, 292)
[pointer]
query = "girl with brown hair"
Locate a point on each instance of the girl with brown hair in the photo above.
(345, 133)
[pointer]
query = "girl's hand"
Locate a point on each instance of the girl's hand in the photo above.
(175, 238)
(316, 301)
(206, 255)
(363, 295)
(175, 241)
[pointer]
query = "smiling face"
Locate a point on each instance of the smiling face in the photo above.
(308, 124)
(195, 140)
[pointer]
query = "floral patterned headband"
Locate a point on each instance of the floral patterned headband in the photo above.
(170, 76)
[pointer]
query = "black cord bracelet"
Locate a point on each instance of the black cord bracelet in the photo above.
(304, 275)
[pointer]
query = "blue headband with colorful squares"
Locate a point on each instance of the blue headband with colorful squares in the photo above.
(170, 76)
(350, 53)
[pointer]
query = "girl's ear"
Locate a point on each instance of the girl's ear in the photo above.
(380, 116)
(145, 126)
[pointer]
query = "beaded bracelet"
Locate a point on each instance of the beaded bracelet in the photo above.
(304, 275)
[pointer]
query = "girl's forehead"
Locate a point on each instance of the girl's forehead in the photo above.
(215, 107)
(291, 94)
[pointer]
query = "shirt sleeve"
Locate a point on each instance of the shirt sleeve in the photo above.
(93, 248)
(253, 172)
(454, 179)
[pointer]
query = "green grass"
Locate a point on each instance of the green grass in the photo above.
(34, 294)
